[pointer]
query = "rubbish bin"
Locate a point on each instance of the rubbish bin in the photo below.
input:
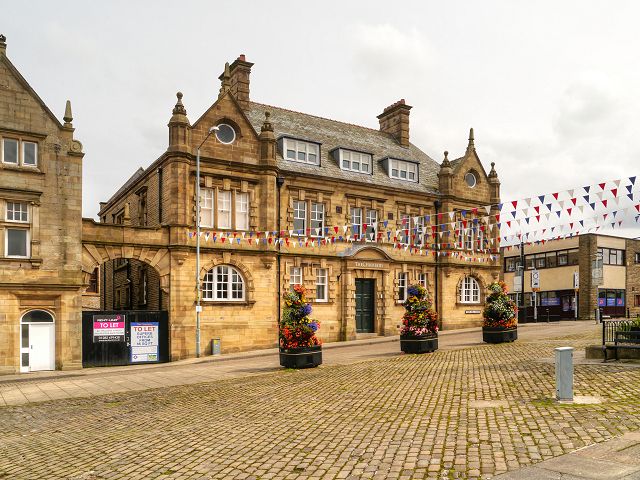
(215, 346)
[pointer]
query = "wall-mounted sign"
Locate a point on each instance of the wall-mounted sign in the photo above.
(369, 265)
(108, 328)
(472, 311)
(144, 342)
(535, 280)
(517, 284)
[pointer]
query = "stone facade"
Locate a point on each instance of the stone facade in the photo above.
(250, 190)
(633, 277)
(40, 247)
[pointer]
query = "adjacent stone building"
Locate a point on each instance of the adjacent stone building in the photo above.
(608, 270)
(354, 214)
(40, 217)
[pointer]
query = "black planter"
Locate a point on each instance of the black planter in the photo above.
(307, 357)
(499, 335)
(422, 344)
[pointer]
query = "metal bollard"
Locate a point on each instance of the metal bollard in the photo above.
(564, 374)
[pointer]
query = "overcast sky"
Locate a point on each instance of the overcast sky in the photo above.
(551, 88)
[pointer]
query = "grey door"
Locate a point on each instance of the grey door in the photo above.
(365, 305)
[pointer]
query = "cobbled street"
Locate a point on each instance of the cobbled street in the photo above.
(464, 412)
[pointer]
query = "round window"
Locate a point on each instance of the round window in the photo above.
(470, 178)
(225, 133)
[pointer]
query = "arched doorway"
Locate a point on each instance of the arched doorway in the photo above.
(37, 341)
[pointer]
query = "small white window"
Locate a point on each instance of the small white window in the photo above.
(321, 285)
(469, 291)
(10, 151)
(405, 229)
(402, 286)
(225, 134)
(299, 151)
(372, 225)
(17, 243)
(470, 178)
(223, 283)
(422, 280)
(317, 219)
(356, 220)
(206, 207)
(30, 154)
(17, 212)
(224, 209)
(299, 217)
(242, 211)
(355, 161)
(295, 276)
(403, 170)
(418, 231)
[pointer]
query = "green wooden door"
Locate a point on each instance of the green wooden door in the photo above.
(365, 304)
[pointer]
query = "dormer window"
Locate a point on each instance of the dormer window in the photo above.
(355, 161)
(403, 170)
(300, 151)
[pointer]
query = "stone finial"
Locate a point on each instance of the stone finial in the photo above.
(267, 126)
(68, 116)
(179, 108)
(225, 80)
(445, 162)
(493, 172)
(3, 44)
(471, 146)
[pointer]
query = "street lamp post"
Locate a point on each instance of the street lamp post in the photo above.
(198, 286)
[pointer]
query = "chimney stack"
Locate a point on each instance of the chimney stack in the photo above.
(239, 72)
(3, 44)
(394, 120)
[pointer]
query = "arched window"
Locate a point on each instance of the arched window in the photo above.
(37, 316)
(469, 291)
(223, 283)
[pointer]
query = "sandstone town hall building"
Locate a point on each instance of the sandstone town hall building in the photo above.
(355, 214)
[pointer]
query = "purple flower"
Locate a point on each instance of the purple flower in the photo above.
(314, 326)
(413, 291)
(306, 310)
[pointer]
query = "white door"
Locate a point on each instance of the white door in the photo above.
(41, 347)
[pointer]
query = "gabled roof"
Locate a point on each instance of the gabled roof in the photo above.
(32, 92)
(137, 174)
(333, 134)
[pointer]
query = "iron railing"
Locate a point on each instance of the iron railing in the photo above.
(610, 327)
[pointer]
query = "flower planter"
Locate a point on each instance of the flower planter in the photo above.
(499, 335)
(307, 357)
(422, 344)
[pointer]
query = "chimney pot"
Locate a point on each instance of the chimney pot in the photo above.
(394, 120)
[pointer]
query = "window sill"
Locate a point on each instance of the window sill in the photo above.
(35, 262)
(21, 168)
(469, 303)
(241, 303)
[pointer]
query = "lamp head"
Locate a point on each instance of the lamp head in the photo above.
(214, 129)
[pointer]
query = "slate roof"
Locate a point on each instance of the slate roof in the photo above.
(136, 175)
(332, 134)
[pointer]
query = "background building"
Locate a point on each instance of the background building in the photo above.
(40, 217)
(289, 198)
(615, 288)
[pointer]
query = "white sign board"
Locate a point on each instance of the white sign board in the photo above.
(517, 284)
(535, 279)
(144, 342)
(576, 280)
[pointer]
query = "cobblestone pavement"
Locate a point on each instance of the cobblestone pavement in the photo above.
(469, 412)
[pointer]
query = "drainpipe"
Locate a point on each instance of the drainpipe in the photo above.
(437, 206)
(279, 183)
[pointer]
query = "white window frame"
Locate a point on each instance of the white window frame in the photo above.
(317, 215)
(405, 229)
(419, 229)
(301, 147)
(224, 200)
(372, 225)
(35, 154)
(207, 207)
(25, 211)
(17, 162)
(214, 290)
(300, 213)
(469, 291)
(355, 214)
(322, 283)
(27, 241)
(295, 276)
(423, 280)
(402, 170)
(242, 211)
(350, 157)
(402, 286)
